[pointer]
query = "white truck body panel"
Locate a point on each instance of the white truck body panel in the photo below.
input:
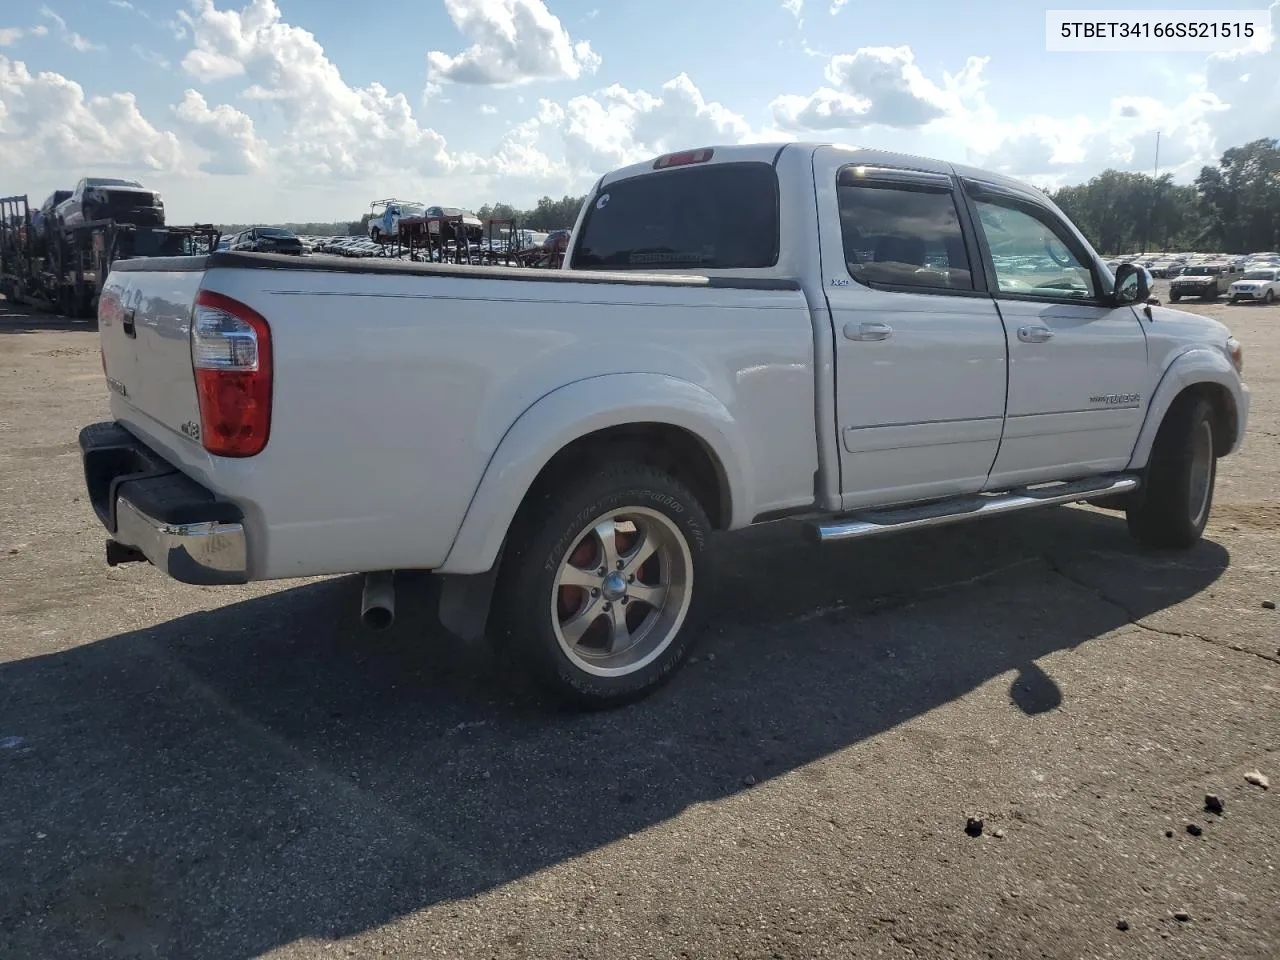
(393, 393)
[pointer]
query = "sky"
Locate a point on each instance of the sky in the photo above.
(243, 111)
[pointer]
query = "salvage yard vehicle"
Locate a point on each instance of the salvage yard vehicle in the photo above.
(266, 240)
(1208, 281)
(109, 198)
(738, 335)
(1262, 283)
(385, 216)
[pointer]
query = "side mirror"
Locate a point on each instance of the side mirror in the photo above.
(1131, 285)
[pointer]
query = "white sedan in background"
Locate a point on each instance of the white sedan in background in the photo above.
(1257, 284)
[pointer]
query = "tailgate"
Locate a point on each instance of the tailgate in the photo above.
(144, 323)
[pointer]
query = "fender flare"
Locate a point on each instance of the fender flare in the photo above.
(573, 411)
(1198, 364)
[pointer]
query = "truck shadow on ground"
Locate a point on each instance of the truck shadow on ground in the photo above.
(232, 781)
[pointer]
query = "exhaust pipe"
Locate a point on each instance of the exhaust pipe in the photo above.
(378, 602)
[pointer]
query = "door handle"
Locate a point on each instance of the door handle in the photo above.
(127, 324)
(868, 331)
(1034, 334)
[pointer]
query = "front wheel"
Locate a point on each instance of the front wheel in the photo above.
(602, 582)
(1172, 507)
(1270, 298)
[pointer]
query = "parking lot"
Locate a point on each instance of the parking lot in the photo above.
(243, 772)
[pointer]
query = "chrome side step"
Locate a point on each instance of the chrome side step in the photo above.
(870, 523)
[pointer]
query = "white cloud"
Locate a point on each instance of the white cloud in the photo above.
(69, 36)
(616, 126)
(794, 7)
(488, 109)
(879, 86)
(47, 123)
(10, 35)
(1057, 150)
(837, 5)
(330, 129)
(1249, 83)
(512, 42)
(150, 56)
(224, 132)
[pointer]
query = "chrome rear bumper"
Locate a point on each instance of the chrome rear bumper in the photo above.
(206, 552)
(153, 511)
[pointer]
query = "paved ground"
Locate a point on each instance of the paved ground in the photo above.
(227, 773)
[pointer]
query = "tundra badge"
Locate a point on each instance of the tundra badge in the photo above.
(1116, 399)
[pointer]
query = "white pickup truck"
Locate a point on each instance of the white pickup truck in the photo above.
(863, 341)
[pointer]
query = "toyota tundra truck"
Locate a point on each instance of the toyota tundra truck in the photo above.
(857, 341)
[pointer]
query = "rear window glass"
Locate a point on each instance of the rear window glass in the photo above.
(722, 216)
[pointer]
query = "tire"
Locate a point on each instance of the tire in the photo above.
(1176, 497)
(1175, 297)
(1270, 298)
(560, 632)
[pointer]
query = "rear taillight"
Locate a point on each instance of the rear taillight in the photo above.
(231, 356)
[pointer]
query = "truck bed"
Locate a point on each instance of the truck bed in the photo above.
(396, 383)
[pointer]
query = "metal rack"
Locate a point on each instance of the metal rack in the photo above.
(63, 270)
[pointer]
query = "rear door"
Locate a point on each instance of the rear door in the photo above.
(1077, 362)
(919, 345)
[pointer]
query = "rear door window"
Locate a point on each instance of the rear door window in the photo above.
(719, 216)
(902, 235)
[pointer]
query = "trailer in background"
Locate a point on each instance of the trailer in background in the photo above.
(63, 270)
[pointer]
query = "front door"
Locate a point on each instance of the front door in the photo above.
(1077, 363)
(919, 347)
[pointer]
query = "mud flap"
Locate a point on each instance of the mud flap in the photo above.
(465, 600)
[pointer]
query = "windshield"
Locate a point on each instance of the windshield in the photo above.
(275, 232)
(1202, 271)
(110, 182)
(719, 216)
(1260, 275)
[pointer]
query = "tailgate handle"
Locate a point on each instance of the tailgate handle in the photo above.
(127, 323)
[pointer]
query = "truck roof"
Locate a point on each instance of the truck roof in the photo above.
(768, 151)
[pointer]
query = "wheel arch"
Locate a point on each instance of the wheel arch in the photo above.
(1205, 372)
(661, 419)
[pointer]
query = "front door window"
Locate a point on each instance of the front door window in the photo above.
(1030, 258)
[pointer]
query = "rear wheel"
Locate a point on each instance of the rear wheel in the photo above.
(601, 584)
(1173, 506)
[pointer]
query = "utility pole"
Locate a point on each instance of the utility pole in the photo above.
(1155, 196)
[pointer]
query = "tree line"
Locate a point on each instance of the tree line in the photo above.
(1232, 207)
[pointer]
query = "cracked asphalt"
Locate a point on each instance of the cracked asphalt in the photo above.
(241, 772)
